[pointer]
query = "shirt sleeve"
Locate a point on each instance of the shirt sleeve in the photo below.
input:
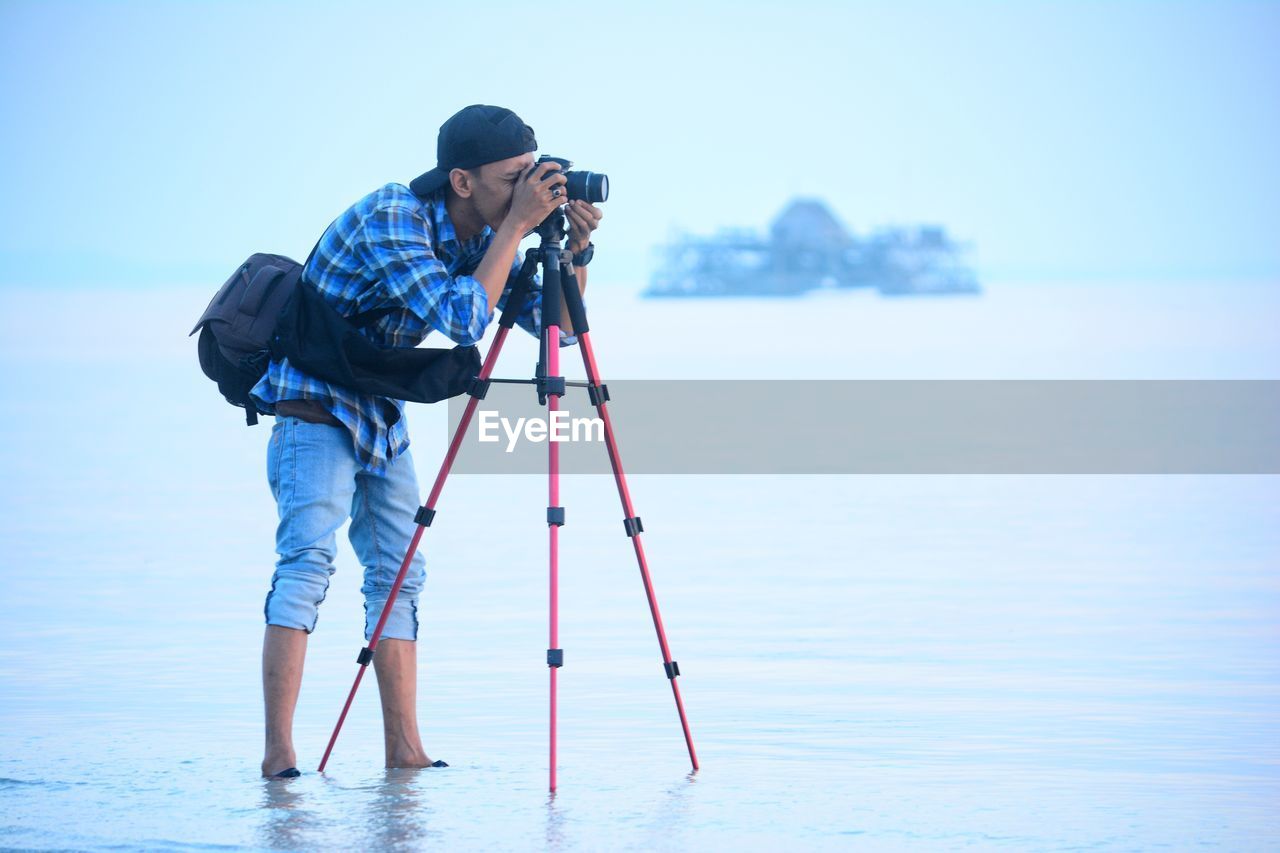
(530, 319)
(395, 246)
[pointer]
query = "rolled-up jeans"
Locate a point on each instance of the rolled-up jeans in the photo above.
(318, 485)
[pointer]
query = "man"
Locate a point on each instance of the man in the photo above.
(440, 254)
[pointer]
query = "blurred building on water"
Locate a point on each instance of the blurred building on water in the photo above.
(808, 249)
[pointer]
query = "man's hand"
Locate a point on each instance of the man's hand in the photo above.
(584, 218)
(535, 198)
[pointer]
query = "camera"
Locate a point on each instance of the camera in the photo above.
(582, 186)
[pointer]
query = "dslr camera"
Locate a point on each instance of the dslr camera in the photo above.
(582, 186)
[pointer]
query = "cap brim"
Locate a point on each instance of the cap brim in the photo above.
(429, 182)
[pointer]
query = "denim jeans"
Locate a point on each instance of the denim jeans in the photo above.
(318, 485)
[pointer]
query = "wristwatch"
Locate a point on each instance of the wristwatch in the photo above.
(584, 257)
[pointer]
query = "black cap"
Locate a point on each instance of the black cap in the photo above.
(473, 136)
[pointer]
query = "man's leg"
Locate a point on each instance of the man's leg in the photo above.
(283, 651)
(396, 664)
(311, 469)
(382, 524)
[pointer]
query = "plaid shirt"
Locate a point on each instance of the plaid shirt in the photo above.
(394, 250)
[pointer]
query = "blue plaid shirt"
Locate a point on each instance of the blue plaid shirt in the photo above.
(394, 250)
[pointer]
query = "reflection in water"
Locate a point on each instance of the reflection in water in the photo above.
(384, 813)
(397, 817)
(555, 824)
(672, 810)
(285, 820)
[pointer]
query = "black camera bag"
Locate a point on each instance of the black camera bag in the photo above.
(266, 311)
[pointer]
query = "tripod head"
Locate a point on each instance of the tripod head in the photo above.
(559, 295)
(552, 229)
(556, 264)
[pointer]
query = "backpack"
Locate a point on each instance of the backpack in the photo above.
(267, 311)
(237, 328)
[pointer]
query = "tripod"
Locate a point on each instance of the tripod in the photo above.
(559, 290)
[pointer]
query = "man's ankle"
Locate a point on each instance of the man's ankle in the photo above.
(277, 751)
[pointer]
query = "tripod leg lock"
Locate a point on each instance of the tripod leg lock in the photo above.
(555, 515)
(598, 393)
(550, 386)
(479, 388)
(555, 657)
(633, 525)
(365, 656)
(424, 516)
(673, 669)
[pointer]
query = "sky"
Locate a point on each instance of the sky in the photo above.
(152, 143)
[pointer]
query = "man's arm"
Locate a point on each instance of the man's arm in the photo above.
(395, 248)
(531, 202)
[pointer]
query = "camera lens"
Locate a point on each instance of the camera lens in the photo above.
(588, 186)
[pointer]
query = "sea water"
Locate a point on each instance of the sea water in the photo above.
(1049, 662)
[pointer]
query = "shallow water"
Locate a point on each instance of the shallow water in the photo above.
(924, 662)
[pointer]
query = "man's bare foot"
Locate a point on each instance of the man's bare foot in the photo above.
(278, 760)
